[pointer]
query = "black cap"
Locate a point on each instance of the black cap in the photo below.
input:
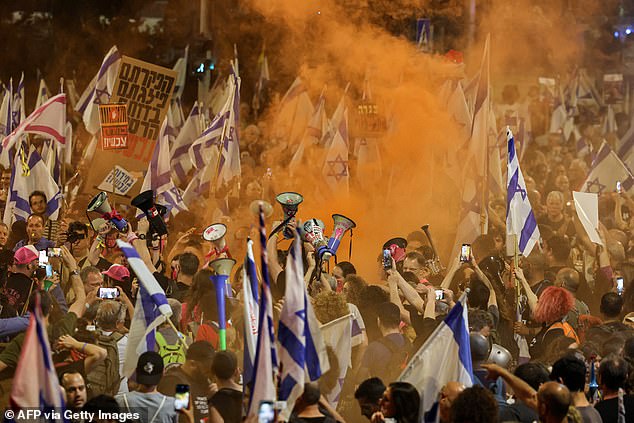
(399, 242)
(149, 368)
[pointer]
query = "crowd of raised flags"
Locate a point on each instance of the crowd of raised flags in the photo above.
(201, 153)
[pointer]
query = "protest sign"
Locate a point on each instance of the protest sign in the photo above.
(145, 91)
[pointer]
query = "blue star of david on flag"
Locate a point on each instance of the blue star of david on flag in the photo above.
(332, 171)
(595, 183)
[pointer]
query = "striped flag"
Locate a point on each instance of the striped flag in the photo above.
(42, 94)
(315, 130)
(6, 123)
(35, 384)
(26, 177)
(445, 357)
(295, 111)
(158, 177)
(260, 85)
(265, 367)
(99, 90)
(338, 336)
(18, 109)
(520, 219)
(607, 170)
(180, 161)
(151, 310)
(336, 168)
(250, 295)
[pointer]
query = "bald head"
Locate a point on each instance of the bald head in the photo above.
(554, 399)
(568, 278)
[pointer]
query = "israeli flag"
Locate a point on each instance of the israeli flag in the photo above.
(520, 219)
(607, 170)
(445, 357)
(251, 312)
(151, 310)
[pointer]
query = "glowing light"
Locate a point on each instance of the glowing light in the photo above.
(319, 12)
(201, 68)
(616, 34)
(628, 31)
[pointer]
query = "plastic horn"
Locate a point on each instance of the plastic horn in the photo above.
(145, 203)
(215, 234)
(341, 225)
(290, 202)
(222, 267)
(436, 265)
(100, 204)
(312, 231)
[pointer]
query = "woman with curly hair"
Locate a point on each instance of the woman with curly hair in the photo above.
(552, 307)
(400, 403)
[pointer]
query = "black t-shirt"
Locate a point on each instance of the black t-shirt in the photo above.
(518, 412)
(198, 388)
(17, 291)
(180, 291)
(228, 402)
(609, 409)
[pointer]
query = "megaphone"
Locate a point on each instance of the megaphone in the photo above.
(290, 202)
(222, 267)
(215, 234)
(312, 231)
(341, 225)
(145, 203)
(267, 208)
(100, 204)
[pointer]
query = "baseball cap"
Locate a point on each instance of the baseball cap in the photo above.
(149, 368)
(117, 272)
(26, 254)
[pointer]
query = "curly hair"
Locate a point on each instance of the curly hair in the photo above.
(329, 305)
(355, 285)
(553, 305)
(475, 405)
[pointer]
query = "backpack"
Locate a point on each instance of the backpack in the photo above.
(567, 328)
(172, 354)
(105, 377)
(400, 356)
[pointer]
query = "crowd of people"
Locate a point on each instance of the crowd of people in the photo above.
(560, 348)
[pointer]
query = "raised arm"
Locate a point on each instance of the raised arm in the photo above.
(79, 306)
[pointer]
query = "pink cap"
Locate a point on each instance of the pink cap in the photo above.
(117, 272)
(25, 255)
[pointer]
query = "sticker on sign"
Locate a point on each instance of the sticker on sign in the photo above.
(119, 181)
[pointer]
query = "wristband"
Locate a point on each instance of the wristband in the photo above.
(74, 272)
(132, 237)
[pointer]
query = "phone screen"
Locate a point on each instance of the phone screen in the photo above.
(619, 285)
(440, 295)
(465, 253)
(181, 397)
(43, 259)
(108, 293)
(266, 412)
(49, 270)
(387, 259)
(618, 186)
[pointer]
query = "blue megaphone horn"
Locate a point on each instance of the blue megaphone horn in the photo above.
(341, 225)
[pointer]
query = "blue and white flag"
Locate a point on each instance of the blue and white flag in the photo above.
(607, 169)
(292, 328)
(261, 83)
(17, 108)
(229, 161)
(609, 122)
(99, 91)
(444, 357)
(336, 167)
(520, 219)
(42, 94)
(251, 312)
(191, 130)
(6, 123)
(338, 335)
(294, 113)
(27, 177)
(265, 366)
(151, 310)
(423, 34)
(35, 385)
(315, 130)
(159, 176)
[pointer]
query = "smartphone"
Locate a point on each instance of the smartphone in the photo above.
(387, 259)
(108, 293)
(43, 259)
(266, 412)
(181, 397)
(49, 270)
(619, 285)
(618, 187)
(440, 294)
(54, 252)
(465, 253)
